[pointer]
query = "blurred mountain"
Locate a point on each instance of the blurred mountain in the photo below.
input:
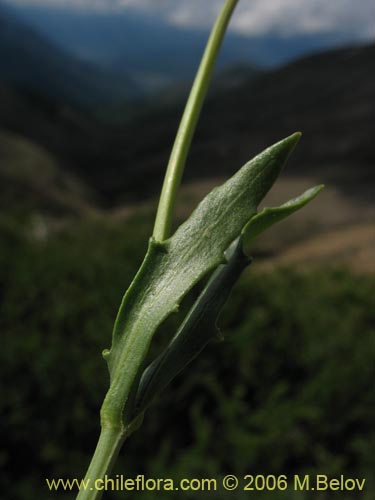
(31, 61)
(329, 96)
(155, 53)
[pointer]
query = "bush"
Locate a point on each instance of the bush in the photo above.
(288, 391)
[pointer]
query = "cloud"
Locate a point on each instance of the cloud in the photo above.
(102, 5)
(286, 17)
(252, 17)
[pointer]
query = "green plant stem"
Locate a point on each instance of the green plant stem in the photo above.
(113, 436)
(172, 180)
(107, 449)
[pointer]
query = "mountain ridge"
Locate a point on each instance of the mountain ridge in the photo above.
(144, 45)
(328, 96)
(31, 61)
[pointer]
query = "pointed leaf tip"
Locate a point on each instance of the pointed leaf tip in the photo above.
(296, 136)
(288, 144)
(266, 167)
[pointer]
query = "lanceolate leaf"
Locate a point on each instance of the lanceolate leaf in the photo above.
(198, 328)
(171, 268)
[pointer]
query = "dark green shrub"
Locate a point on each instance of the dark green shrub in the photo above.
(290, 390)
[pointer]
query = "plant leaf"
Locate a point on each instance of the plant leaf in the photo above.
(199, 326)
(197, 329)
(172, 267)
(270, 215)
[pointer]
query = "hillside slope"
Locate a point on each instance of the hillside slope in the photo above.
(32, 182)
(49, 153)
(328, 96)
(31, 61)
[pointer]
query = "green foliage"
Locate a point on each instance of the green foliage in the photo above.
(172, 267)
(197, 329)
(270, 215)
(289, 390)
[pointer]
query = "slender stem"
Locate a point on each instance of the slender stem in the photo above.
(107, 449)
(172, 180)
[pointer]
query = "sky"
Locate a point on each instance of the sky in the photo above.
(252, 17)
